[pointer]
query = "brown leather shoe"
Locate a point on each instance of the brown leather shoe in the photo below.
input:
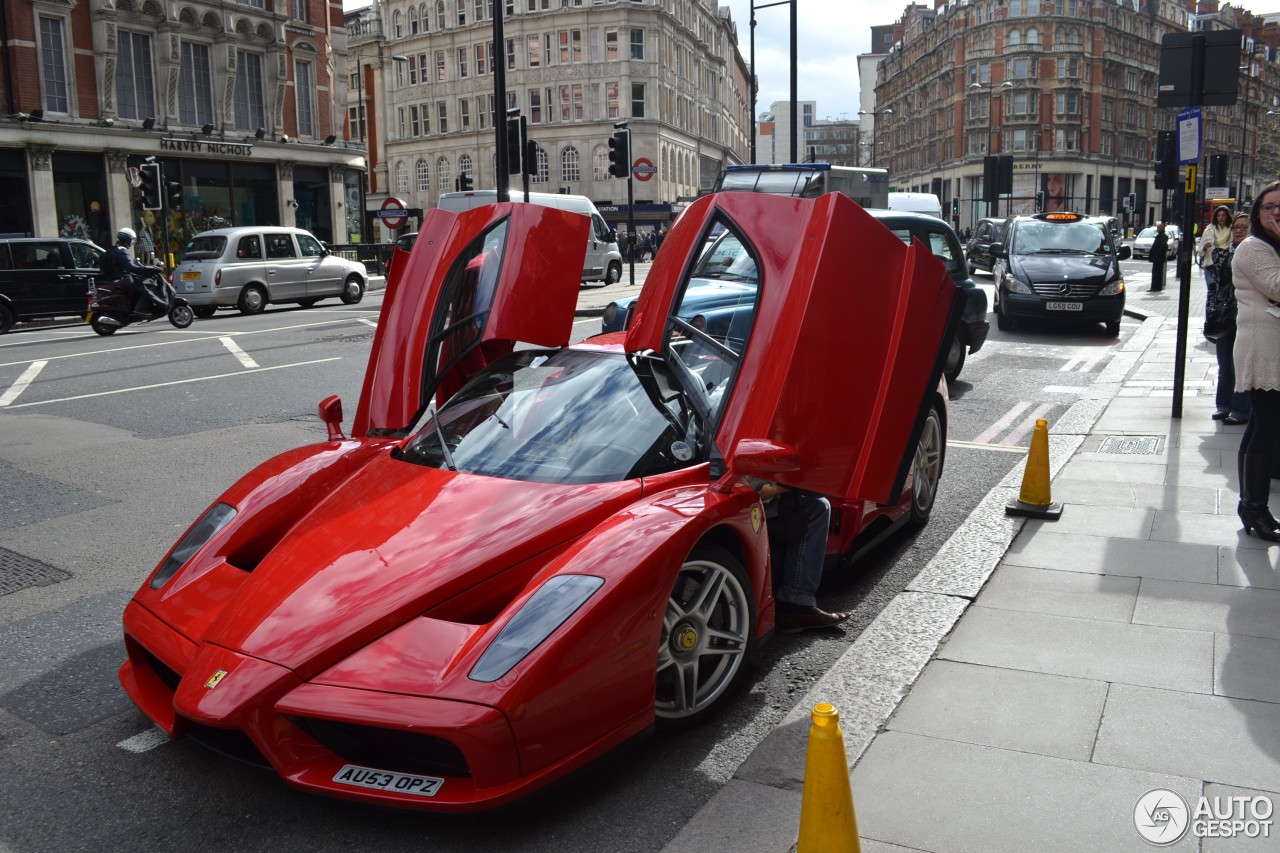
(815, 619)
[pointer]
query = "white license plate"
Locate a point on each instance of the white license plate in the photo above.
(1064, 306)
(384, 780)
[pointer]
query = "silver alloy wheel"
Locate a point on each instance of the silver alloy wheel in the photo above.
(253, 300)
(705, 635)
(927, 467)
(352, 290)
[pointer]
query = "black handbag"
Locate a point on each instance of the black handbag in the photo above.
(1220, 312)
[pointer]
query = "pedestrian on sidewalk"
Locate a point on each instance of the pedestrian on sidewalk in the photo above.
(1159, 253)
(1216, 238)
(1256, 275)
(1232, 406)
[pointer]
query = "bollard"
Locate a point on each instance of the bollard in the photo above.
(1033, 499)
(827, 821)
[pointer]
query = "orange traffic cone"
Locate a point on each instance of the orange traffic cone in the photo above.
(1033, 500)
(827, 821)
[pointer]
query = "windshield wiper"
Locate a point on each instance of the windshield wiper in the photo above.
(444, 445)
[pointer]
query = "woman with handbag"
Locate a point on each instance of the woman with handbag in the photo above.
(1232, 406)
(1255, 272)
(1217, 237)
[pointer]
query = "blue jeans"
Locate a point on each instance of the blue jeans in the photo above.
(802, 557)
(1227, 399)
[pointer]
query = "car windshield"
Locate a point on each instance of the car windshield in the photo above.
(1148, 232)
(205, 247)
(564, 416)
(1039, 237)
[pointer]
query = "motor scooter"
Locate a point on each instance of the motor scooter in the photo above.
(112, 304)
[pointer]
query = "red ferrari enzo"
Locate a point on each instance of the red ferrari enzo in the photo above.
(464, 601)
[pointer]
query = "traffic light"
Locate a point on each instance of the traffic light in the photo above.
(620, 153)
(955, 207)
(1040, 201)
(175, 194)
(150, 174)
(1166, 164)
(1218, 170)
(1132, 201)
(515, 144)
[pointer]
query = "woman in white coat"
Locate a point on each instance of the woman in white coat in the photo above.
(1255, 271)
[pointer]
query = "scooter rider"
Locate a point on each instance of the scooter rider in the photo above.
(119, 263)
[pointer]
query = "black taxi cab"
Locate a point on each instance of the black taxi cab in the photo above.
(1058, 266)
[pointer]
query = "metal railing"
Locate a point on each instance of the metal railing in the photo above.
(374, 256)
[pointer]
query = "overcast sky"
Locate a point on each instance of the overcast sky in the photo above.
(831, 35)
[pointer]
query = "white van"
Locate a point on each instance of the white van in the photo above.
(916, 203)
(603, 261)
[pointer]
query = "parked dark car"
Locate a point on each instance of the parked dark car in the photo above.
(43, 278)
(986, 232)
(716, 288)
(1058, 266)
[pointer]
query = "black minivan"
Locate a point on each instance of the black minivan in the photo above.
(1058, 266)
(43, 278)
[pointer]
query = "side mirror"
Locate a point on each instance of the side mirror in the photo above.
(997, 251)
(758, 457)
(613, 235)
(1124, 253)
(330, 411)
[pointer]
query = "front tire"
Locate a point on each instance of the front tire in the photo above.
(955, 357)
(6, 319)
(1003, 322)
(181, 316)
(102, 328)
(613, 274)
(253, 300)
(352, 290)
(706, 636)
(1113, 328)
(926, 467)
(204, 312)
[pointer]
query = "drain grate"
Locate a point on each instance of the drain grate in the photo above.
(1131, 445)
(18, 572)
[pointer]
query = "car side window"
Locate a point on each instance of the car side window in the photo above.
(6, 262)
(940, 245)
(310, 246)
(38, 256)
(86, 257)
(280, 246)
(249, 248)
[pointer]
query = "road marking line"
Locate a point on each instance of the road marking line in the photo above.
(1026, 426)
(175, 382)
(373, 323)
(144, 741)
(1071, 364)
(241, 355)
(28, 376)
(1002, 424)
(975, 446)
(1066, 389)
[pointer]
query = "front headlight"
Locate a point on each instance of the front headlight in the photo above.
(1016, 285)
(544, 612)
(1115, 288)
(213, 520)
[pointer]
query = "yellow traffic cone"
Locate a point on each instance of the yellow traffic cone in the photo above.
(827, 821)
(1033, 500)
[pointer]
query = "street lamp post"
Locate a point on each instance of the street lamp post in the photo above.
(874, 125)
(993, 92)
(795, 144)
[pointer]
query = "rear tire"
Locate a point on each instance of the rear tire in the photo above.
(6, 319)
(955, 357)
(926, 467)
(308, 303)
(253, 300)
(352, 290)
(102, 328)
(204, 312)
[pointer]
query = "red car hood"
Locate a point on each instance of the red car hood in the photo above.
(392, 542)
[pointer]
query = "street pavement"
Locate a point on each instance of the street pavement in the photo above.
(1039, 677)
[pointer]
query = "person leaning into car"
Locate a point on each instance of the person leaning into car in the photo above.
(800, 520)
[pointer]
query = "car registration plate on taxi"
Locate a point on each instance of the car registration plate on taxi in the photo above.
(384, 780)
(1064, 306)
(191, 276)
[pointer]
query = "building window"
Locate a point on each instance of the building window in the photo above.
(355, 119)
(464, 114)
(462, 13)
(53, 64)
(195, 88)
(250, 113)
(304, 90)
(413, 20)
(637, 100)
(600, 163)
(415, 126)
(424, 176)
(542, 172)
(442, 117)
(441, 75)
(637, 44)
(135, 86)
(570, 167)
(440, 17)
(1068, 103)
(482, 59)
(397, 24)
(535, 52)
(462, 63)
(444, 173)
(413, 70)
(611, 44)
(566, 104)
(425, 111)
(465, 167)
(402, 177)
(511, 54)
(535, 106)
(563, 38)
(1066, 139)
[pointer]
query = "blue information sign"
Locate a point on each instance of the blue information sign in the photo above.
(1190, 130)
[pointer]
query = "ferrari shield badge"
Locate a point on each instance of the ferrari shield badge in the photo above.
(757, 515)
(216, 679)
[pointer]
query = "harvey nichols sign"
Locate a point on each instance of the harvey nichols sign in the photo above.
(198, 146)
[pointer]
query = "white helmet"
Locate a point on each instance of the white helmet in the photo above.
(126, 236)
